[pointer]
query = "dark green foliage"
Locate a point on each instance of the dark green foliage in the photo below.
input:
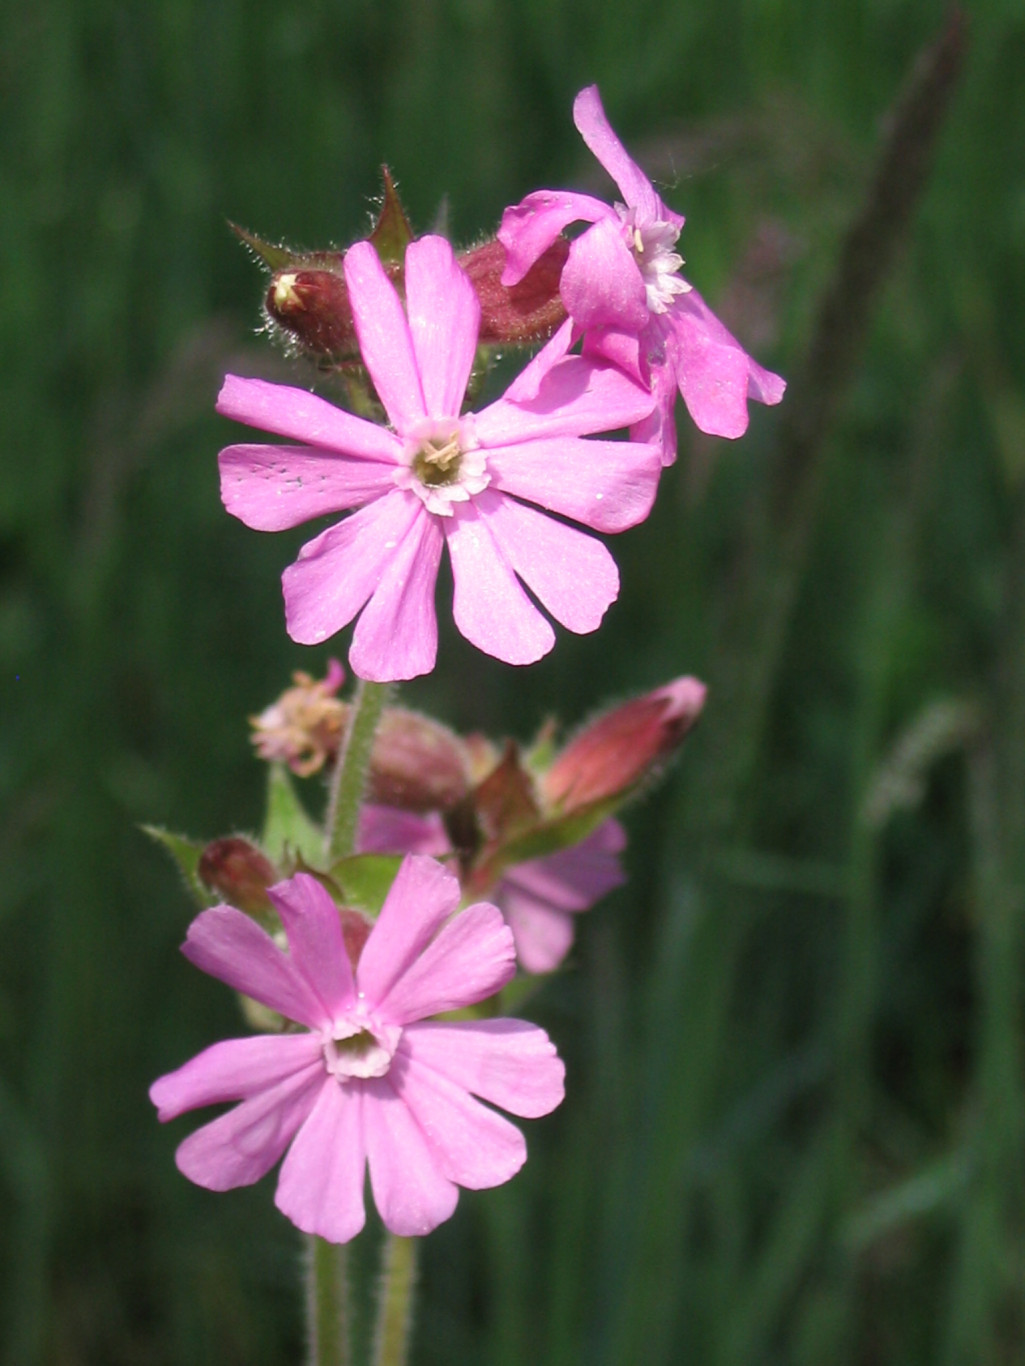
(795, 1130)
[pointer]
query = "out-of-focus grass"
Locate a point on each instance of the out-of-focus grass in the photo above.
(794, 1130)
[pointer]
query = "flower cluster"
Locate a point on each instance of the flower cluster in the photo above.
(481, 484)
(471, 857)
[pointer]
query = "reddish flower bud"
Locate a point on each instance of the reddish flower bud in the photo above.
(311, 304)
(416, 763)
(613, 755)
(529, 311)
(239, 872)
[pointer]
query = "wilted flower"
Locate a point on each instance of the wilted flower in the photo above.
(622, 287)
(442, 479)
(303, 727)
(370, 1081)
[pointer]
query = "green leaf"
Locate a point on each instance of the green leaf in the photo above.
(186, 854)
(287, 827)
(274, 257)
(365, 879)
(392, 233)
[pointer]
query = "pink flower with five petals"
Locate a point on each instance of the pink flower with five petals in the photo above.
(622, 288)
(369, 1082)
(440, 478)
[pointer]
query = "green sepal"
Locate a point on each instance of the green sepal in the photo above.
(270, 254)
(364, 880)
(287, 829)
(186, 854)
(392, 233)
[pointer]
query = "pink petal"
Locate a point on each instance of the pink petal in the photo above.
(233, 1070)
(525, 386)
(543, 935)
(444, 320)
(229, 946)
(574, 879)
(241, 1146)
(607, 485)
(763, 386)
(321, 1183)
(302, 416)
(572, 575)
(396, 636)
(577, 397)
(472, 1145)
(636, 188)
(471, 959)
(507, 1062)
(411, 1193)
(530, 227)
(712, 368)
(387, 830)
(489, 606)
(271, 488)
(601, 283)
(384, 338)
(659, 429)
(314, 931)
(421, 899)
(338, 570)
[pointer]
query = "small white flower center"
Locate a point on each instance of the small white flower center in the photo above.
(360, 1047)
(652, 244)
(443, 464)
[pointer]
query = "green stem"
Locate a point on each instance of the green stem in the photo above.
(328, 1314)
(350, 775)
(327, 1303)
(395, 1305)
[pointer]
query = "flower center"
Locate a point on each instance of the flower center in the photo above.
(359, 1048)
(653, 246)
(443, 464)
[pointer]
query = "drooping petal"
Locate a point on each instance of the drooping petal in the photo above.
(233, 1070)
(271, 488)
(301, 416)
(636, 188)
(338, 570)
(314, 931)
(411, 1193)
(572, 575)
(422, 897)
(660, 428)
(601, 283)
(489, 606)
(607, 485)
(471, 959)
(444, 320)
(573, 879)
(233, 948)
(472, 1145)
(530, 227)
(384, 339)
(510, 1063)
(321, 1183)
(712, 368)
(577, 397)
(241, 1146)
(543, 935)
(396, 636)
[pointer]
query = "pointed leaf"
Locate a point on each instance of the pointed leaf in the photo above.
(186, 853)
(272, 255)
(392, 232)
(287, 827)
(365, 879)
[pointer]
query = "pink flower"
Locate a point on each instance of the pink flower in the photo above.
(369, 1082)
(538, 898)
(622, 288)
(440, 478)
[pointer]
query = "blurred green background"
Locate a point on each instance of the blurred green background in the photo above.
(795, 1128)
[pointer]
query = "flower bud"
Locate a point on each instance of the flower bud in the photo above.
(527, 312)
(311, 305)
(611, 757)
(416, 764)
(239, 872)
